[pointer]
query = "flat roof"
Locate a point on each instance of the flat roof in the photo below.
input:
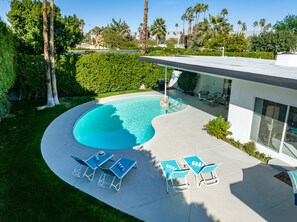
(256, 70)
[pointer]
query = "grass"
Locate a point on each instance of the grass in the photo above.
(29, 190)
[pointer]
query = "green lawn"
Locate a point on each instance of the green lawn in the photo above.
(29, 190)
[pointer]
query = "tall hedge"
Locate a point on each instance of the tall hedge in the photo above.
(67, 83)
(96, 73)
(7, 69)
(30, 81)
(109, 72)
(168, 52)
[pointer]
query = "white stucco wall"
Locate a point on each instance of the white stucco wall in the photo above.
(286, 60)
(209, 83)
(243, 94)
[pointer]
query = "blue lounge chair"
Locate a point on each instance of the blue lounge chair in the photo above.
(112, 176)
(198, 167)
(293, 177)
(90, 165)
(172, 172)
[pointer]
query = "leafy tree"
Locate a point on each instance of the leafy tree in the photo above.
(171, 42)
(187, 81)
(204, 33)
(72, 34)
(118, 35)
(237, 43)
(25, 17)
(275, 42)
(288, 23)
(217, 42)
(159, 29)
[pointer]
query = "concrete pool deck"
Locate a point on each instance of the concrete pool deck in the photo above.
(247, 191)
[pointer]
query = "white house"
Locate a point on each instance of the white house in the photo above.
(263, 97)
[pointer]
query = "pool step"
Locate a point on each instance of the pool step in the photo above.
(175, 108)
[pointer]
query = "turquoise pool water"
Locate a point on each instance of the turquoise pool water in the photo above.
(119, 125)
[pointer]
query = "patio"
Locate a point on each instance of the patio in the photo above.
(247, 190)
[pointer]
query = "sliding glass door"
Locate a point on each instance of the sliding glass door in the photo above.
(268, 123)
(290, 140)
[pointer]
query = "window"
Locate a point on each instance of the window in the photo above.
(268, 123)
(290, 140)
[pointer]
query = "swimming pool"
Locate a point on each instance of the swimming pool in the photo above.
(120, 124)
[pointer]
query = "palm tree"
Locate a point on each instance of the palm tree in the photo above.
(52, 53)
(255, 24)
(198, 9)
(243, 27)
(97, 32)
(262, 24)
(159, 29)
(176, 28)
(224, 12)
(144, 30)
(50, 99)
(204, 33)
(267, 27)
(204, 9)
(239, 24)
(184, 18)
(81, 25)
(219, 24)
(139, 29)
(119, 27)
(190, 18)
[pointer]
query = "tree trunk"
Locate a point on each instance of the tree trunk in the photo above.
(50, 99)
(52, 53)
(197, 22)
(144, 28)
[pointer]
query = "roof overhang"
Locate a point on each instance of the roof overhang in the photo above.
(256, 70)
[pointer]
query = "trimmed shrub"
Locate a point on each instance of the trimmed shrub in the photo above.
(99, 73)
(7, 68)
(218, 127)
(187, 81)
(250, 147)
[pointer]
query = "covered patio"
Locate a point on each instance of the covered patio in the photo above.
(248, 190)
